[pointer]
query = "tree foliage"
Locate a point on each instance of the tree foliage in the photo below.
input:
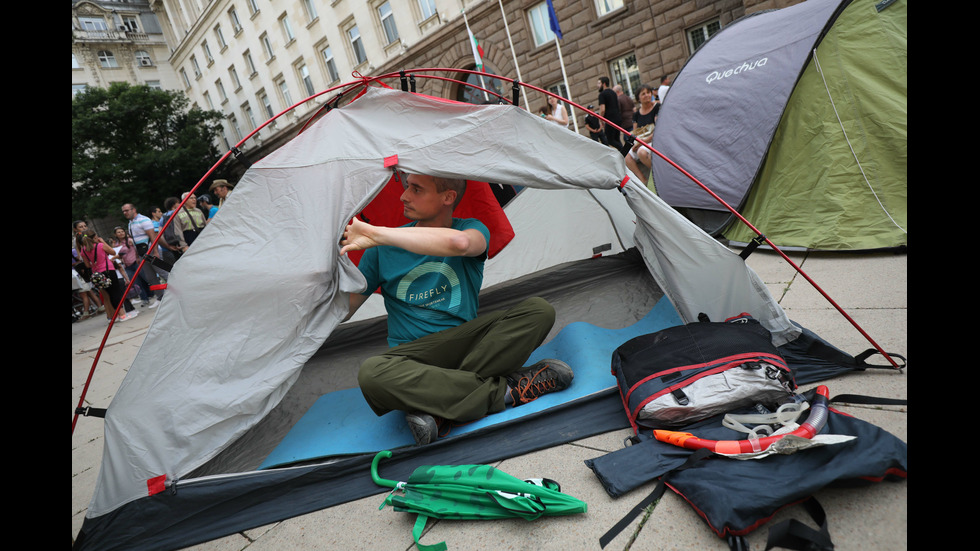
(135, 144)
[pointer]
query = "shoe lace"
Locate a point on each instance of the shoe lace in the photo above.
(530, 387)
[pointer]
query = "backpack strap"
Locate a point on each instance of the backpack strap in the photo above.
(860, 359)
(654, 496)
(868, 400)
(793, 534)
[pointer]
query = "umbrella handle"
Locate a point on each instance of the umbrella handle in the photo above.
(385, 454)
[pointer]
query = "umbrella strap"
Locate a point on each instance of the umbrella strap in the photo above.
(417, 533)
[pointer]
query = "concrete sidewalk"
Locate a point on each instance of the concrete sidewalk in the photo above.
(873, 289)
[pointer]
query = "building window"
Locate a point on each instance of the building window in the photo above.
(700, 34)
(427, 8)
(74, 62)
(236, 25)
(77, 89)
(154, 85)
(356, 45)
(207, 99)
(304, 76)
(253, 7)
(267, 46)
(249, 116)
(602, 7)
(388, 22)
(143, 58)
(471, 92)
(284, 91)
(183, 76)
(197, 68)
(287, 28)
(328, 60)
(249, 63)
(93, 24)
(220, 36)
(266, 105)
(560, 90)
(625, 72)
(311, 14)
(235, 129)
(233, 73)
(107, 60)
(221, 90)
(207, 52)
(540, 25)
(131, 22)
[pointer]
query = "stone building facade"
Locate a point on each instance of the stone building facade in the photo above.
(252, 59)
(634, 42)
(117, 41)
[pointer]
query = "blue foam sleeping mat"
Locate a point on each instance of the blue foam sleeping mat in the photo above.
(342, 423)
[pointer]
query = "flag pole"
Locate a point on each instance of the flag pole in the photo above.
(476, 56)
(556, 28)
(503, 14)
(567, 87)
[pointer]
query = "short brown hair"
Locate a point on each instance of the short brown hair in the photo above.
(456, 184)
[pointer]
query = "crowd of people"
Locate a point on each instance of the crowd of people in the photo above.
(103, 266)
(637, 115)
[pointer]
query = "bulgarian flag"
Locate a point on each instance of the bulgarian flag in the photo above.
(477, 49)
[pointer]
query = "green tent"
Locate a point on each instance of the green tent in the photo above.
(833, 175)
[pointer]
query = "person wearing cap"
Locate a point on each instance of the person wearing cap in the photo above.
(204, 203)
(220, 188)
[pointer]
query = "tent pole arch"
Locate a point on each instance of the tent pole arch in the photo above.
(363, 81)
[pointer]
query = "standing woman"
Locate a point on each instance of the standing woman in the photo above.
(89, 296)
(98, 256)
(558, 114)
(644, 118)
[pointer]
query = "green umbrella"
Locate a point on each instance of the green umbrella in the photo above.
(472, 492)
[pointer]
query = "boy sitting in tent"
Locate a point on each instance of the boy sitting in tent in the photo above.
(445, 362)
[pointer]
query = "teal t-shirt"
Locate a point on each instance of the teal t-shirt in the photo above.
(425, 294)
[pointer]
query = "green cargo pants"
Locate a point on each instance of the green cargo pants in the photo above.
(457, 374)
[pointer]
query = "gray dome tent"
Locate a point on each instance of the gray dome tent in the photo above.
(267, 270)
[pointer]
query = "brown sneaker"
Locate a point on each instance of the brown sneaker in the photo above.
(544, 377)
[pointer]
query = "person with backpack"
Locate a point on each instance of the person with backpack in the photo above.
(143, 232)
(172, 236)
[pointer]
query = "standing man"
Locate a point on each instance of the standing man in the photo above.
(140, 228)
(445, 362)
(220, 189)
(204, 203)
(609, 108)
(625, 108)
(664, 86)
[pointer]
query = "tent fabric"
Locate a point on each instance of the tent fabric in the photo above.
(862, 78)
(725, 103)
(264, 286)
(806, 137)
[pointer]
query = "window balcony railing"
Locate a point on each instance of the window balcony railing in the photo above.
(98, 36)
